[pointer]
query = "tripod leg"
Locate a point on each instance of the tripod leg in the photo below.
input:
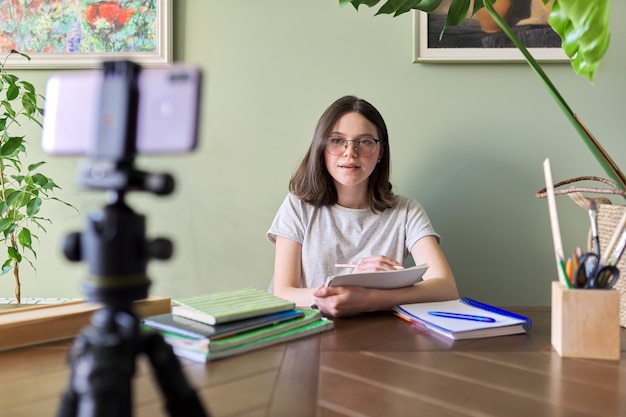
(69, 403)
(180, 399)
(102, 361)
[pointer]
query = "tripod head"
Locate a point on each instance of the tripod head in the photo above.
(113, 243)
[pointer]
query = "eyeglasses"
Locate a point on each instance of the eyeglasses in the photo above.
(364, 146)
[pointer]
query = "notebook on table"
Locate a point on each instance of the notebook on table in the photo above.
(229, 306)
(480, 319)
(380, 279)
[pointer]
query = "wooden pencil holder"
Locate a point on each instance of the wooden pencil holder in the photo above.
(608, 218)
(585, 322)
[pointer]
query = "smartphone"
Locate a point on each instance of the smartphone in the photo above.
(167, 113)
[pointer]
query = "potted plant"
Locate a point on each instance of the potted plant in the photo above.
(23, 188)
(582, 25)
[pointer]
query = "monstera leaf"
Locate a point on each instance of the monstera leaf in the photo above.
(582, 24)
(584, 29)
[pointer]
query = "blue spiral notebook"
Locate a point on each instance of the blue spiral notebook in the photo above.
(466, 319)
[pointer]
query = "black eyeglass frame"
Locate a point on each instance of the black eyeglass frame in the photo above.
(356, 145)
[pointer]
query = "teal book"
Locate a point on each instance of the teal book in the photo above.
(208, 344)
(229, 306)
(320, 325)
(196, 330)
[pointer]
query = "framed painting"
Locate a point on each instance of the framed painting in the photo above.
(83, 33)
(479, 39)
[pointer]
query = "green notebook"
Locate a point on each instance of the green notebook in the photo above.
(318, 326)
(227, 306)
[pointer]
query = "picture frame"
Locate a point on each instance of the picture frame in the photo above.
(428, 48)
(150, 43)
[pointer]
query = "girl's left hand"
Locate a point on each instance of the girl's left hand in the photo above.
(342, 301)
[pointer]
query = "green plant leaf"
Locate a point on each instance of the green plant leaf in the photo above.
(14, 253)
(10, 196)
(8, 109)
(37, 221)
(34, 191)
(29, 104)
(50, 185)
(584, 29)
(406, 7)
(17, 198)
(13, 92)
(357, 3)
(456, 14)
(390, 7)
(15, 51)
(395, 7)
(25, 238)
(9, 78)
(428, 6)
(11, 146)
(33, 167)
(18, 179)
(7, 266)
(40, 179)
(28, 260)
(63, 202)
(33, 207)
(28, 87)
(5, 224)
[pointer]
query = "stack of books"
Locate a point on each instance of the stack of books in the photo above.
(213, 326)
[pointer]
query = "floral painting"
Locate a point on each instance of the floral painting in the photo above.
(79, 28)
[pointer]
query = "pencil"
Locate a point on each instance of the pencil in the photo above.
(554, 224)
(354, 266)
(611, 256)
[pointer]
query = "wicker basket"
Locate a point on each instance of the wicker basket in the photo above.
(609, 216)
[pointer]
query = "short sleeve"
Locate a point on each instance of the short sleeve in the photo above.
(290, 220)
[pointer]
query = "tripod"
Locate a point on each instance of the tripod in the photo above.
(102, 358)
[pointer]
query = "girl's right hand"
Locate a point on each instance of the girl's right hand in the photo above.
(376, 263)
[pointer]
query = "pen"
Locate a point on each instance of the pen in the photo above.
(461, 316)
(354, 266)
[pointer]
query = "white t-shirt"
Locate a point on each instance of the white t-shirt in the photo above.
(334, 234)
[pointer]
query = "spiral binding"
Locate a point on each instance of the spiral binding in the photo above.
(528, 323)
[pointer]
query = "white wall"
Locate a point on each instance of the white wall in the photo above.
(467, 140)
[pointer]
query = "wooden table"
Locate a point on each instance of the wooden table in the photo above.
(371, 365)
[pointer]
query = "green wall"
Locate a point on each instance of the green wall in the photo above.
(468, 141)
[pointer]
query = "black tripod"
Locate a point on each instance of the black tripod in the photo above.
(114, 245)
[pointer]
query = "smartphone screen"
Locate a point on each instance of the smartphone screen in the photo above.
(167, 114)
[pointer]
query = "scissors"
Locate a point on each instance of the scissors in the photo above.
(592, 273)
